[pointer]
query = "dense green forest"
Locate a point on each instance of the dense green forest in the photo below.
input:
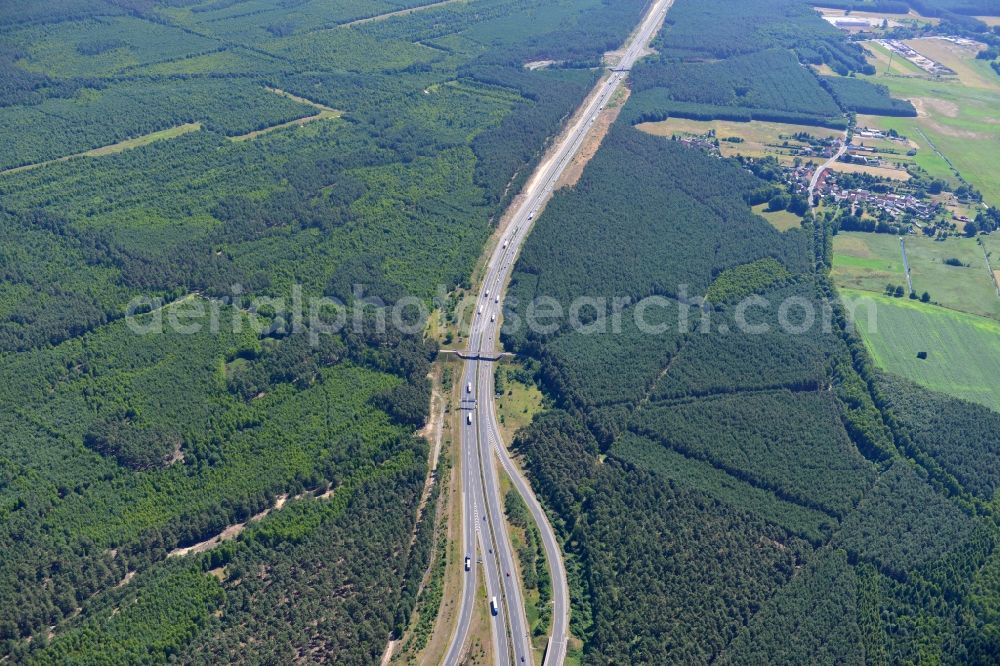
(789, 443)
(620, 363)
(690, 474)
(746, 60)
(732, 27)
(668, 177)
(120, 448)
(960, 436)
(809, 621)
(861, 96)
(734, 494)
(941, 8)
(97, 117)
(766, 80)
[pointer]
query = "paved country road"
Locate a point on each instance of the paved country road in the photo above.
(826, 165)
(483, 518)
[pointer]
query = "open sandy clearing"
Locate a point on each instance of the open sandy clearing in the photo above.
(595, 136)
(121, 146)
(325, 113)
(399, 12)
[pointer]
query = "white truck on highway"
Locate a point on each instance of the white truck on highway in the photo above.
(493, 606)
(468, 418)
(468, 387)
(468, 562)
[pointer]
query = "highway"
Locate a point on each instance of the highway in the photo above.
(484, 530)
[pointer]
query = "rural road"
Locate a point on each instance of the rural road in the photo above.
(824, 166)
(482, 504)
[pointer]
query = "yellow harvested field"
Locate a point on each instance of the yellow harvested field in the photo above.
(756, 131)
(896, 66)
(990, 20)
(760, 138)
(971, 72)
(892, 18)
(885, 172)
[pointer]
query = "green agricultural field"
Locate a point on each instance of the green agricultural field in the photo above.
(867, 261)
(963, 351)
(991, 244)
(968, 288)
(871, 261)
(926, 158)
(782, 220)
(957, 115)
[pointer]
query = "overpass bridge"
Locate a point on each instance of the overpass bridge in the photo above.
(467, 355)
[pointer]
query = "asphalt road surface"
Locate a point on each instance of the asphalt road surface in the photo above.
(484, 524)
(826, 165)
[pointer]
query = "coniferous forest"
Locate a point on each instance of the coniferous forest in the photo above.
(718, 490)
(203, 156)
(253, 489)
(736, 498)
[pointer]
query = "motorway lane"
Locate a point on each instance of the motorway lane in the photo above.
(481, 440)
(486, 529)
(469, 525)
(486, 532)
(513, 600)
(479, 530)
